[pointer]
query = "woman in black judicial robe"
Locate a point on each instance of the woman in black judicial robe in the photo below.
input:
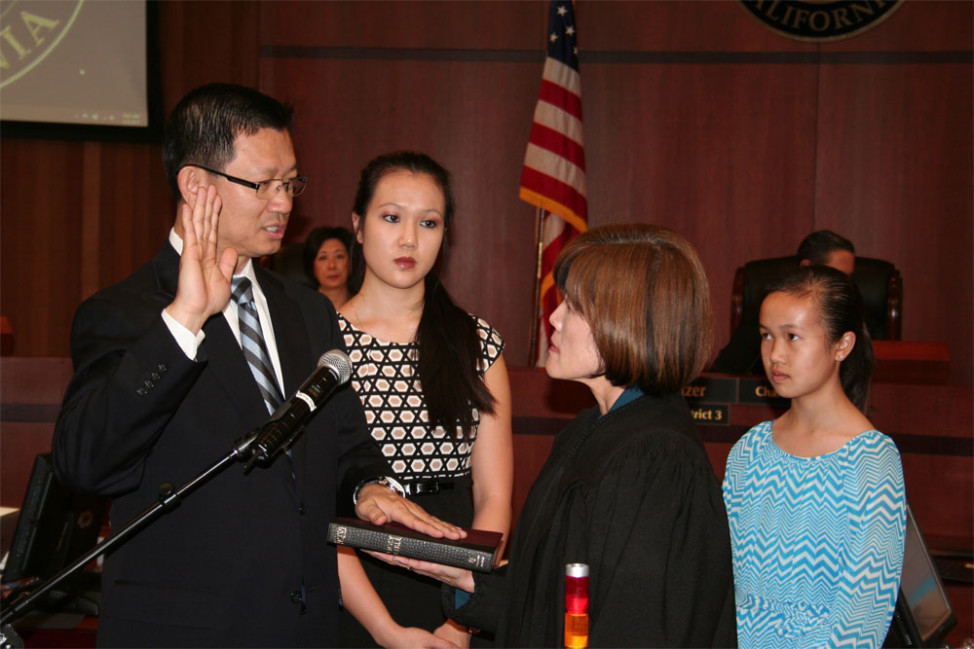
(628, 488)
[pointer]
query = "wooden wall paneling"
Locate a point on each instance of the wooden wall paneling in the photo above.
(116, 260)
(204, 42)
(53, 252)
(666, 26)
(540, 397)
(943, 506)
(39, 188)
(207, 41)
(90, 214)
(894, 174)
(722, 153)
(31, 396)
(944, 410)
(530, 454)
(717, 453)
(92, 231)
(927, 26)
(172, 45)
(153, 210)
(472, 116)
(491, 266)
(136, 209)
(944, 502)
(961, 597)
(498, 24)
(21, 442)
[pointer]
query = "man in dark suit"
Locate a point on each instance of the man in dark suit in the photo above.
(163, 389)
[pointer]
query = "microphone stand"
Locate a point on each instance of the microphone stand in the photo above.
(169, 498)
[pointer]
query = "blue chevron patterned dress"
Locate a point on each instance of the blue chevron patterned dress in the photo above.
(818, 542)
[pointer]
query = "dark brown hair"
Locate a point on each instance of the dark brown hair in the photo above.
(819, 245)
(204, 126)
(645, 294)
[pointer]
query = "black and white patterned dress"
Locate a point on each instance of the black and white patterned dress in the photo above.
(386, 378)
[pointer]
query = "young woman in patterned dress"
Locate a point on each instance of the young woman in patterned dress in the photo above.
(435, 390)
(815, 498)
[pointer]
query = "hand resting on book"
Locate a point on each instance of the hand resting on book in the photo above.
(380, 505)
(478, 550)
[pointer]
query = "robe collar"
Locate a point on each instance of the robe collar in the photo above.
(628, 396)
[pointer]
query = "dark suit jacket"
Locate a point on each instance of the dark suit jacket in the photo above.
(242, 561)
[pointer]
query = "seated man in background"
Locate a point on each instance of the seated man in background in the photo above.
(742, 354)
(826, 248)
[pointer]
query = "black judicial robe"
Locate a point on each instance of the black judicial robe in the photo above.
(633, 495)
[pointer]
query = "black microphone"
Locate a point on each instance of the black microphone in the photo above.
(278, 434)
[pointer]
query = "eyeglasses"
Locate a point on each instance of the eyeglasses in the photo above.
(266, 189)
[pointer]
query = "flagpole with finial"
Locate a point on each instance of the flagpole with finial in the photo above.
(536, 309)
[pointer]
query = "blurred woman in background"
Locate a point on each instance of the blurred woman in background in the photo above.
(327, 262)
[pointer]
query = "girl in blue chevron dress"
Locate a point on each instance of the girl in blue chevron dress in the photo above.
(815, 498)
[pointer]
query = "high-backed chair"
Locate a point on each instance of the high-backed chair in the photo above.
(879, 283)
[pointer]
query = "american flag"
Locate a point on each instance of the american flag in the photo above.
(553, 178)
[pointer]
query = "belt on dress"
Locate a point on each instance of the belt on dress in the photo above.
(427, 487)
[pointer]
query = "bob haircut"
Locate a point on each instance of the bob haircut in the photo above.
(645, 294)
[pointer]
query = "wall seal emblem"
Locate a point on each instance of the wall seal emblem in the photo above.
(29, 31)
(820, 20)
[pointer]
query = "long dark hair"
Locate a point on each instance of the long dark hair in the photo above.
(840, 304)
(449, 348)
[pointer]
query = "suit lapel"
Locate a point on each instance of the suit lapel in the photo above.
(166, 265)
(293, 348)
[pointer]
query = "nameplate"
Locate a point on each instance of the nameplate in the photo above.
(759, 391)
(711, 390)
(711, 415)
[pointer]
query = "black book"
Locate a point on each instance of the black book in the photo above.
(477, 552)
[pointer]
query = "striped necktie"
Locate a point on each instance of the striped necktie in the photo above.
(252, 343)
